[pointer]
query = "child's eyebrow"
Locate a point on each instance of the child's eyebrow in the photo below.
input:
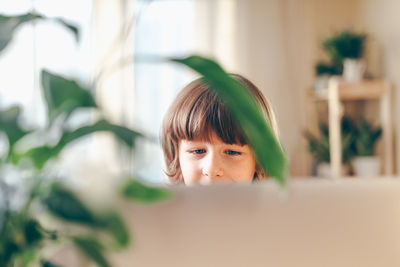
(237, 145)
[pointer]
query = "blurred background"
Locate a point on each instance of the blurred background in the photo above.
(277, 44)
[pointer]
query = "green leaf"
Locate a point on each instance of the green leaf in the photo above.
(137, 191)
(42, 154)
(39, 155)
(63, 96)
(246, 112)
(92, 248)
(32, 232)
(65, 205)
(70, 27)
(8, 25)
(114, 224)
(9, 125)
(122, 133)
(9, 245)
(47, 263)
(28, 256)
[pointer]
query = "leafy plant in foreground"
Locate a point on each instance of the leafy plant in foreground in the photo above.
(29, 180)
(22, 233)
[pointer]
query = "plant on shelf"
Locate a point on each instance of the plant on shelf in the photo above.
(346, 48)
(366, 163)
(323, 71)
(319, 148)
(323, 68)
(346, 44)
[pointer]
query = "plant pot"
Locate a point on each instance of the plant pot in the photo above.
(353, 70)
(324, 170)
(367, 166)
(321, 84)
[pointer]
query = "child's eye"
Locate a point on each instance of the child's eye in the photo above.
(197, 151)
(233, 152)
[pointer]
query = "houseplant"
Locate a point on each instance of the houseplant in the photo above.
(347, 48)
(366, 163)
(23, 234)
(31, 186)
(319, 148)
(323, 71)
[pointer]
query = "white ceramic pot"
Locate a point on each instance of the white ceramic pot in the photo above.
(324, 170)
(321, 83)
(353, 70)
(367, 166)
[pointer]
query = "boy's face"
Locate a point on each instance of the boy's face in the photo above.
(206, 162)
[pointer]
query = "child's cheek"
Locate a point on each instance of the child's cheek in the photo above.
(189, 169)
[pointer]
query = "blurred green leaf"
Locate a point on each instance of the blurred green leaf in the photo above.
(8, 235)
(28, 256)
(39, 155)
(9, 125)
(122, 133)
(114, 224)
(20, 238)
(69, 26)
(65, 205)
(32, 232)
(137, 191)
(47, 263)
(245, 109)
(8, 250)
(92, 248)
(63, 96)
(8, 25)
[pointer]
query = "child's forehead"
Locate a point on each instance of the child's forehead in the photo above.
(211, 137)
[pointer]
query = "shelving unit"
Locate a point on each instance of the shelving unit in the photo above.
(338, 92)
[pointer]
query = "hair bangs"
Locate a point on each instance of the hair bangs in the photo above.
(207, 115)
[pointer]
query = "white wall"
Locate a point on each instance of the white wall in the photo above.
(382, 21)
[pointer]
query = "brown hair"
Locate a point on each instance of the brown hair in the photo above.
(196, 113)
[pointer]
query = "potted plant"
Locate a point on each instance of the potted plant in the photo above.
(323, 71)
(319, 147)
(347, 48)
(366, 163)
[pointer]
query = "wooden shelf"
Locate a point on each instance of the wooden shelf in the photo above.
(374, 89)
(368, 89)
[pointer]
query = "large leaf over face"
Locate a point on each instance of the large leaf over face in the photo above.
(63, 96)
(245, 110)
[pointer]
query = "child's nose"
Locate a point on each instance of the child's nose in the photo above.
(213, 167)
